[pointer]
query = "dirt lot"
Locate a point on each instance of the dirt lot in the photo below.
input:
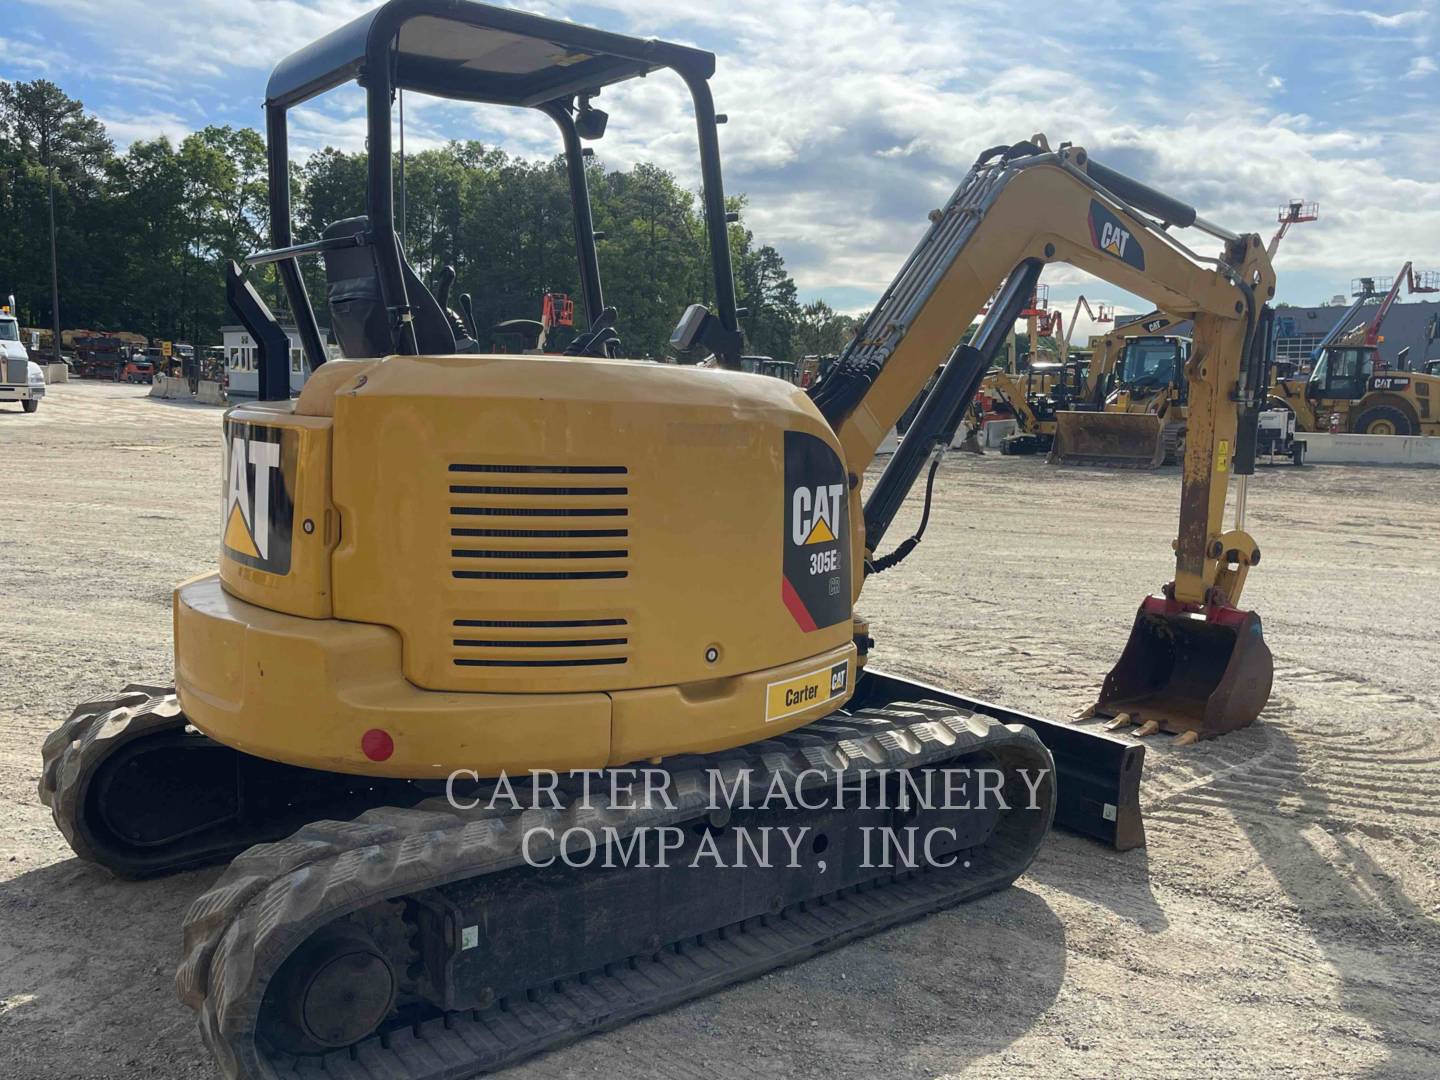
(1282, 921)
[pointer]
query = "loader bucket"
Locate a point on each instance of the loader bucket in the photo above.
(1190, 672)
(1110, 439)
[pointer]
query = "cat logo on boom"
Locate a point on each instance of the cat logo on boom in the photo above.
(259, 509)
(1111, 236)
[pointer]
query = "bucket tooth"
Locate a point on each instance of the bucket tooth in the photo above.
(1120, 721)
(1083, 714)
(1147, 728)
(1187, 738)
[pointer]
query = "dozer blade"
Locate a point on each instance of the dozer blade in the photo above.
(1189, 672)
(1109, 439)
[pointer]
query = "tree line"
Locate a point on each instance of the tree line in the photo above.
(142, 236)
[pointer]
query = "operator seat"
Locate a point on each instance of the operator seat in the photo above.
(358, 318)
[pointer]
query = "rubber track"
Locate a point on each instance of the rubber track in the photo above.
(94, 731)
(275, 895)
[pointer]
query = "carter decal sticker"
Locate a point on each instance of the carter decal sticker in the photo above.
(1110, 236)
(259, 508)
(815, 550)
(790, 696)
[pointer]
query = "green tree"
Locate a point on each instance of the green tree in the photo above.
(51, 134)
(768, 294)
(822, 331)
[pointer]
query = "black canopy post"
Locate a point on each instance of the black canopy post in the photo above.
(585, 253)
(271, 342)
(281, 235)
(714, 194)
(381, 201)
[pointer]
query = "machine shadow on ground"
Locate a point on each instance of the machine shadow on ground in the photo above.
(1326, 893)
(995, 967)
(1116, 881)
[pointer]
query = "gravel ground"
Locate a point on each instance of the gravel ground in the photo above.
(1281, 922)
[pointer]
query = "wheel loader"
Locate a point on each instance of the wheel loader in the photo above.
(445, 575)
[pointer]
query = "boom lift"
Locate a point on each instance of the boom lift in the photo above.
(1348, 388)
(440, 567)
(1295, 212)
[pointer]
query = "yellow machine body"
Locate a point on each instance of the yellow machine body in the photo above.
(500, 562)
(495, 563)
(1387, 403)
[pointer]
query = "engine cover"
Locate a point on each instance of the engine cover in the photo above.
(536, 523)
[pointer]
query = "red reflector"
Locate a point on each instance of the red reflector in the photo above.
(377, 744)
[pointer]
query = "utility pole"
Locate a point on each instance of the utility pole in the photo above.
(54, 270)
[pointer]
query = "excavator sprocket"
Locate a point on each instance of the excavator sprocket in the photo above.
(423, 943)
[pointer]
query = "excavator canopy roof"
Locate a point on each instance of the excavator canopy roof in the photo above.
(476, 52)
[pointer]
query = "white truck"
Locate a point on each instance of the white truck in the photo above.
(20, 378)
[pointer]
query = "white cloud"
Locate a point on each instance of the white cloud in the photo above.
(27, 60)
(126, 128)
(849, 120)
(1388, 22)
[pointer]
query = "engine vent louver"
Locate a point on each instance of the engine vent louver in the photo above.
(540, 643)
(542, 495)
(566, 525)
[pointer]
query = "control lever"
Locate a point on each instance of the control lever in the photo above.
(443, 287)
(601, 330)
(467, 305)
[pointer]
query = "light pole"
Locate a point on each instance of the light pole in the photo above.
(54, 271)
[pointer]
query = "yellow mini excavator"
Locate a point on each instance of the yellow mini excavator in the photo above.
(444, 573)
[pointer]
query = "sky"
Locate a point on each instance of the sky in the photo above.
(849, 122)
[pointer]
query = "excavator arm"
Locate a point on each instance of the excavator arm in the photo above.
(1020, 208)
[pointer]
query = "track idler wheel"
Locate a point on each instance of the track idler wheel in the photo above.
(334, 990)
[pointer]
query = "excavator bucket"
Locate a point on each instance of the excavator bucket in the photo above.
(1113, 440)
(1190, 672)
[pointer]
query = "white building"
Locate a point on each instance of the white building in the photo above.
(242, 358)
